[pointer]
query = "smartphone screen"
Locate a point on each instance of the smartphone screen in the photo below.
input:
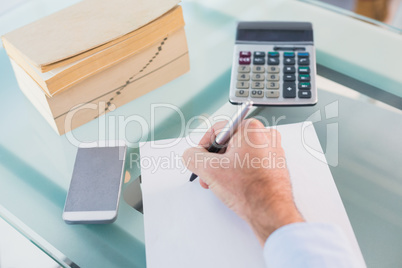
(95, 186)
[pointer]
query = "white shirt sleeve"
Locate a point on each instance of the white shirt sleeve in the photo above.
(309, 245)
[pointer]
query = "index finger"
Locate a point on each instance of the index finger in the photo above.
(211, 134)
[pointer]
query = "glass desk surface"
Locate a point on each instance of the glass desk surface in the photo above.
(360, 135)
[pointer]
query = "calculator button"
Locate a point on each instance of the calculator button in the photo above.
(259, 54)
(303, 54)
(289, 90)
(257, 94)
(272, 85)
(257, 85)
(259, 61)
(304, 78)
(258, 69)
(304, 85)
(289, 77)
(289, 54)
(273, 54)
(273, 69)
(304, 70)
(243, 77)
(289, 70)
(245, 54)
(242, 84)
(244, 61)
(273, 77)
(304, 94)
(242, 93)
(244, 69)
(304, 61)
(289, 61)
(273, 61)
(272, 94)
(258, 77)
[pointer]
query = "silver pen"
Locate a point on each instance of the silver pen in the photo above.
(224, 136)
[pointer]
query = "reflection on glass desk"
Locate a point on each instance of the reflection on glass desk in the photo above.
(36, 164)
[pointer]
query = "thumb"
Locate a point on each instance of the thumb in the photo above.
(202, 163)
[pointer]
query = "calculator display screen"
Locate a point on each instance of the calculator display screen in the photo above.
(274, 35)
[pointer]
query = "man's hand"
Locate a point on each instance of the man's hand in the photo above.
(250, 177)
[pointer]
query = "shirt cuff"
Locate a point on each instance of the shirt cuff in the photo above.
(308, 244)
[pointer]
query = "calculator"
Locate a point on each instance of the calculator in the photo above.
(274, 64)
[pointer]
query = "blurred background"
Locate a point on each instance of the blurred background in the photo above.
(387, 11)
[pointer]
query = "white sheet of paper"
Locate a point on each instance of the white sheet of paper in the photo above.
(187, 226)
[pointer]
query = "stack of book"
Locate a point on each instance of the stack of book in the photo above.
(83, 61)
